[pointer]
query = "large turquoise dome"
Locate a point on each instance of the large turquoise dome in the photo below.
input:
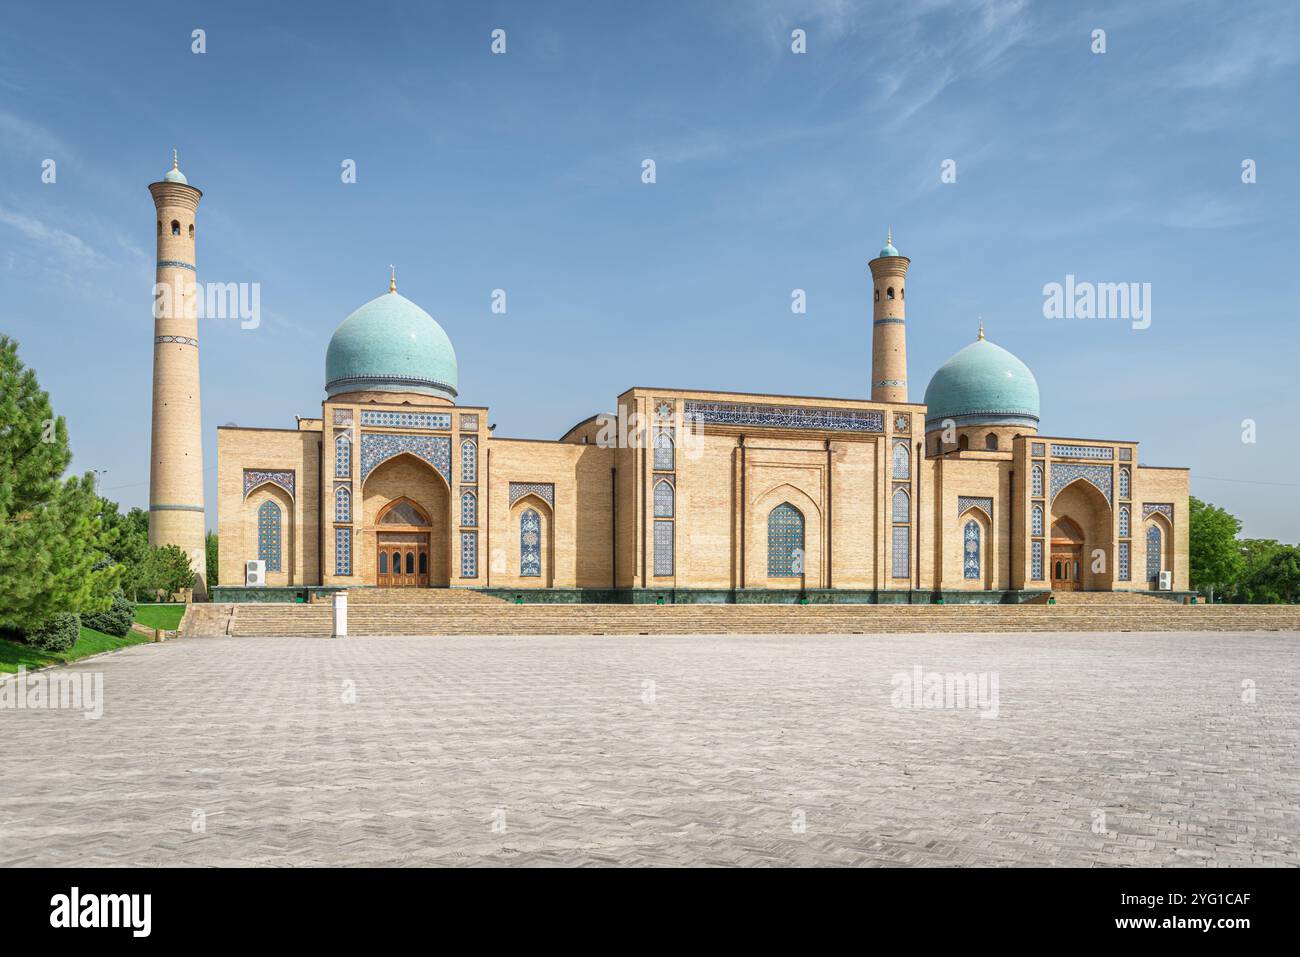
(982, 384)
(390, 345)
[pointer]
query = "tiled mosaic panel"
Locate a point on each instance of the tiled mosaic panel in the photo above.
(901, 554)
(543, 490)
(342, 504)
(970, 562)
(1125, 570)
(469, 509)
(1036, 481)
(663, 548)
(469, 554)
(663, 457)
(902, 461)
(469, 461)
(342, 551)
(1099, 475)
(1124, 483)
(268, 535)
(1038, 448)
(902, 506)
(1082, 452)
(343, 457)
(784, 541)
(1036, 520)
(379, 447)
(530, 544)
(785, 417)
(982, 502)
(1158, 508)
(1126, 455)
(663, 499)
(1125, 521)
(255, 477)
(1036, 561)
(342, 416)
(1153, 553)
(406, 420)
(469, 422)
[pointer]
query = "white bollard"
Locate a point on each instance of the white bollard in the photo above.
(340, 614)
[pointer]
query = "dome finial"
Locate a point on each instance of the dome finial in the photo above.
(175, 160)
(392, 281)
(889, 236)
(981, 328)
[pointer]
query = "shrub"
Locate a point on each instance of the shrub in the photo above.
(58, 633)
(116, 621)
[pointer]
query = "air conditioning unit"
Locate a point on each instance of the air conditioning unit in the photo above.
(255, 572)
(1166, 581)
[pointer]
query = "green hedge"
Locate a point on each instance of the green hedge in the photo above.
(59, 633)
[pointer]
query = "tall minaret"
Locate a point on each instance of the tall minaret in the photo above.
(176, 452)
(889, 333)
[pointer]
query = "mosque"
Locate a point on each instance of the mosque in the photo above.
(678, 495)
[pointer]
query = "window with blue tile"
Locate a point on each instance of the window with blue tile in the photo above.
(342, 551)
(1036, 520)
(1154, 542)
(469, 554)
(663, 542)
(342, 504)
(970, 562)
(530, 544)
(469, 509)
(1036, 561)
(663, 499)
(469, 461)
(268, 535)
(343, 457)
(902, 507)
(784, 542)
(663, 453)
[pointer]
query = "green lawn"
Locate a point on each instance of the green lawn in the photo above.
(166, 617)
(14, 654)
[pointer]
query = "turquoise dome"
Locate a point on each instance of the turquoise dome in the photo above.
(390, 345)
(889, 250)
(175, 176)
(982, 384)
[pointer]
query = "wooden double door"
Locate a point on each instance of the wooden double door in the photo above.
(402, 559)
(1067, 555)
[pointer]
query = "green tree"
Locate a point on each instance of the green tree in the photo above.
(168, 570)
(1256, 555)
(1212, 549)
(210, 546)
(50, 542)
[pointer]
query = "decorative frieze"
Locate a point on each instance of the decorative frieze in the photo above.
(543, 490)
(406, 420)
(179, 340)
(1158, 508)
(785, 417)
(1082, 451)
(255, 477)
(983, 502)
(1099, 475)
(379, 447)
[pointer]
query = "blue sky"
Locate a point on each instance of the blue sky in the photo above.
(775, 171)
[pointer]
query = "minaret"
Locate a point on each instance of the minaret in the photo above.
(176, 451)
(889, 333)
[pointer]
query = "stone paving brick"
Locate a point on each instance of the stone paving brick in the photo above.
(738, 739)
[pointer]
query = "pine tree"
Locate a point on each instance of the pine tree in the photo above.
(49, 526)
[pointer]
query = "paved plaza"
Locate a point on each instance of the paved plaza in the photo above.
(1071, 749)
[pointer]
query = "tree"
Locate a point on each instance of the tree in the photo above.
(49, 526)
(1212, 549)
(168, 570)
(210, 546)
(1256, 555)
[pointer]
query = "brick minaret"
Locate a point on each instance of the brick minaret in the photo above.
(176, 451)
(889, 333)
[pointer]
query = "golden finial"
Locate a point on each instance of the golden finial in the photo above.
(175, 160)
(889, 236)
(392, 281)
(981, 327)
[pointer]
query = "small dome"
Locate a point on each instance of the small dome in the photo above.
(175, 176)
(982, 384)
(889, 250)
(390, 345)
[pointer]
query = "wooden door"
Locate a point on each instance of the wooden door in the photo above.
(402, 560)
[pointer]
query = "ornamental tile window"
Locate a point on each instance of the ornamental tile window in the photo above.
(469, 554)
(343, 456)
(530, 544)
(469, 509)
(970, 562)
(784, 542)
(1124, 482)
(342, 551)
(902, 560)
(663, 499)
(1153, 553)
(1036, 561)
(902, 461)
(902, 506)
(663, 539)
(469, 461)
(342, 504)
(1125, 570)
(268, 535)
(663, 461)
(1125, 521)
(1036, 520)
(1036, 481)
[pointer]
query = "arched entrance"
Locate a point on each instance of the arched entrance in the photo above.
(402, 532)
(1067, 555)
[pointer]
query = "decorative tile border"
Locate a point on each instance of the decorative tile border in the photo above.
(1100, 476)
(543, 490)
(785, 417)
(406, 420)
(1038, 448)
(342, 416)
(182, 340)
(983, 502)
(379, 447)
(1082, 452)
(902, 422)
(176, 263)
(255, 477)
(1162, 508)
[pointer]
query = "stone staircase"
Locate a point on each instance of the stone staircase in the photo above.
(210, 620)
(442, 612)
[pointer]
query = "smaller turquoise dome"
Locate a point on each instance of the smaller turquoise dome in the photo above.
(390, 345)
(175, 176)
(982, 384)
(889, 250)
